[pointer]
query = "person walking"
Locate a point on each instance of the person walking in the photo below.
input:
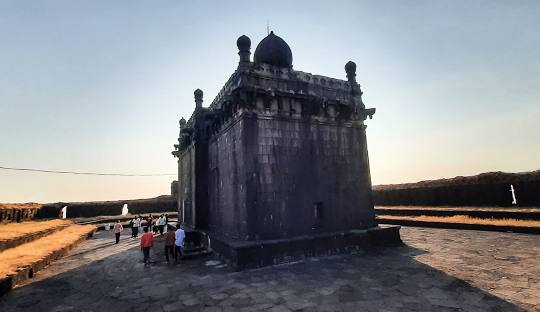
(132, 226)
(161, 224)
(135, 223)
(140, 220)
(169, 242)
(147, 242)
(118, 228)
(150, 223)
(179, 237)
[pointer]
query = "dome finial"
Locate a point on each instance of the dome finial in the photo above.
(350, 69)
(244, 46)
(198, 98)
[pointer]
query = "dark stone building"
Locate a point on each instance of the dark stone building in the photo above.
(276, 167)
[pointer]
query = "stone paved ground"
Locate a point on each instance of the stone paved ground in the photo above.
(438, 270)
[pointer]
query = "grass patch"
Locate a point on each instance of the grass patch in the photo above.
(10, 231)
(13, 258)
(466, 220)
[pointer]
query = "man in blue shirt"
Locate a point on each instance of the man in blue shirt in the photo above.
(179, 237)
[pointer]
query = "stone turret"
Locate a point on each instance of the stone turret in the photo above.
(350, 69)
(244, 50)
(198, 98)
(182, 123)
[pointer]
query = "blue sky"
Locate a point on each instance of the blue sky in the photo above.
(100, 85)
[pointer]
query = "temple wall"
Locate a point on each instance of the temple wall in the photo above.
(186, 186)
(227, 182)
(275, 177)
(312, 177)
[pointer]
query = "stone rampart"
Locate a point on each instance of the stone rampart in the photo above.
(18, 212)
(108, 208)
(487, 189)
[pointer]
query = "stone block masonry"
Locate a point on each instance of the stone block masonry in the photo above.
(263, 172)
(278, 155)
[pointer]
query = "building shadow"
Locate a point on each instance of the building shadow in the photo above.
(380, 279)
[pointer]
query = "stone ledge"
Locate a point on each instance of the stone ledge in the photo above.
(462, 226)
(495, 213)
(252, 254)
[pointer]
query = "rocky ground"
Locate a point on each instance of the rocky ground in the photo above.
(437, 270)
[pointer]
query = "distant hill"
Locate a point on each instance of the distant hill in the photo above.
(485, 189)
(31, 205)
(122, 201)
(162, 203)
(496, 177)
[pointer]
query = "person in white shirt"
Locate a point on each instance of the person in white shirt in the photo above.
(118, 228)
(135, 224)
(161, 224)
(139, 221)
(179, 237)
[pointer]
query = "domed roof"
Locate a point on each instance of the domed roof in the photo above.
(274, 51)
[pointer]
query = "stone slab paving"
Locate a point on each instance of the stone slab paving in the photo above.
(437, 270)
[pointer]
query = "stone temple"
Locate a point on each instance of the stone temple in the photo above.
(276, 168)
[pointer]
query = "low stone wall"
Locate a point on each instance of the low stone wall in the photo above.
(489, 189)
(488, 213)
(461, 226)
(17, 214)
(108, 208)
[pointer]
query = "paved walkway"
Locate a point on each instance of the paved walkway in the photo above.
(438, 270)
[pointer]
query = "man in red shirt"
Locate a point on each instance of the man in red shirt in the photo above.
(147, 241)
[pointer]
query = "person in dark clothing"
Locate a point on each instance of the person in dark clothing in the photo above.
(132, 225)
(169, 242)
(150, 223)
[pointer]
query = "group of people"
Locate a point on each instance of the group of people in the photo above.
(174, 237)
(154, 224)
(174, 243)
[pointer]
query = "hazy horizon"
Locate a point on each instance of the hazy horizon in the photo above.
(99, 86)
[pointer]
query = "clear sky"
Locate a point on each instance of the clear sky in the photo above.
(100, 85)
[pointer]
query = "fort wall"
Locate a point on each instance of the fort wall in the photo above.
(487, 189)
(108, 208)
